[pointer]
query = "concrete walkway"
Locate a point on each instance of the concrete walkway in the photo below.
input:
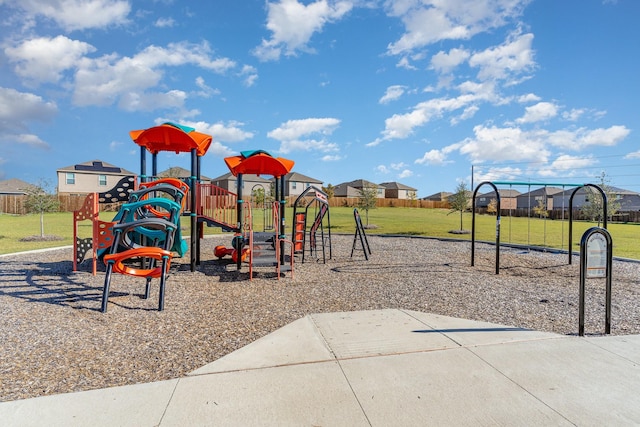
(377, 368)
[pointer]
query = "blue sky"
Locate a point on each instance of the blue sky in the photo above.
(414, 91)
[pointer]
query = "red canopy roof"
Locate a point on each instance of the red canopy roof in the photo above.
(259, 163)
(171, 137)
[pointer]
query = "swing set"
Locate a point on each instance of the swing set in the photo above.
(494, 184)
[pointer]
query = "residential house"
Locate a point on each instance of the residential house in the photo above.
(89, 177)
(250, 183)
(295, 183)
(182, 173)
(539, 197)
(14, 186)
(442, 196)
(354, 189)
(396, 190)
(629, 200)
(507, 199)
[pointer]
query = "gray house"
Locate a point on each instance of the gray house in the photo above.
(442, 196)
(629, 200)
(354, 188)
(295, 183)
(182, 173)
(14, 186)
(250, 183)
(541, 196)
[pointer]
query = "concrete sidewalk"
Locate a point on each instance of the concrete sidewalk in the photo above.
(379, 368)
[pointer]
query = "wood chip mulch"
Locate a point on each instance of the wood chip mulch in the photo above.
(54, 339)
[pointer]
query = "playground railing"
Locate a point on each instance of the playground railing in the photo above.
(217, 204)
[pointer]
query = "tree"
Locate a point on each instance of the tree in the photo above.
(593, 209)
(367, 200)
(413, 197)
(541, 209)
(330, 190)
(459, 201)
(40, 201)
(258, 196)
(492, 207)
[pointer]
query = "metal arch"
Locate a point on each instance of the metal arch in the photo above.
(604, 209)
(473, 225)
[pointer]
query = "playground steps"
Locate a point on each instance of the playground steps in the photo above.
(264, 251)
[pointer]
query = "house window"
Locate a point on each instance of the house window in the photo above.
(293, 185)
(71, 178)
(102, 180)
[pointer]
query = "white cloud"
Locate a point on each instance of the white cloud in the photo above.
(513, 57)
(405, 174)
(104, 80)
(497, 174)
(634, 155)
(43, 59)
(429, 21)
(579, 139)
(566, 165)
(331, 158)
(433, 157)
(530, 97)
(165, 22)
(468, 113)
(78, 14)
(496, 144)
(292, 25)
(574, 114)
(250, 75)
(229, 132)
(205, 90)
(392, 93)
(504, 144)
(401, 126)
(18, 109)
(444, 62)
(294, 129)
(149, 101)
(296, 135)
(404, 63)
(382, 169)
(539, 112)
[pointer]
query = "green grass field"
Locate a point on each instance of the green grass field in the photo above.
(407, 221)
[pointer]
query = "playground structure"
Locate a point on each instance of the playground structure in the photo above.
(498, 210)
(305, 233)
(263, 246)
(146, 230)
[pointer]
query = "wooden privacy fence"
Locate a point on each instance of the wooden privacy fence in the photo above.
(352, 202)
(15, 204)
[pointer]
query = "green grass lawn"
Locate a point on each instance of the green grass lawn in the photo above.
(408, 221)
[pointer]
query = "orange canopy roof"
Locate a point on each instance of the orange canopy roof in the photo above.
(172, 137)
(258, 163)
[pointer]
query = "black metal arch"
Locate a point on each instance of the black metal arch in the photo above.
(604, 212)
(473, 225)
